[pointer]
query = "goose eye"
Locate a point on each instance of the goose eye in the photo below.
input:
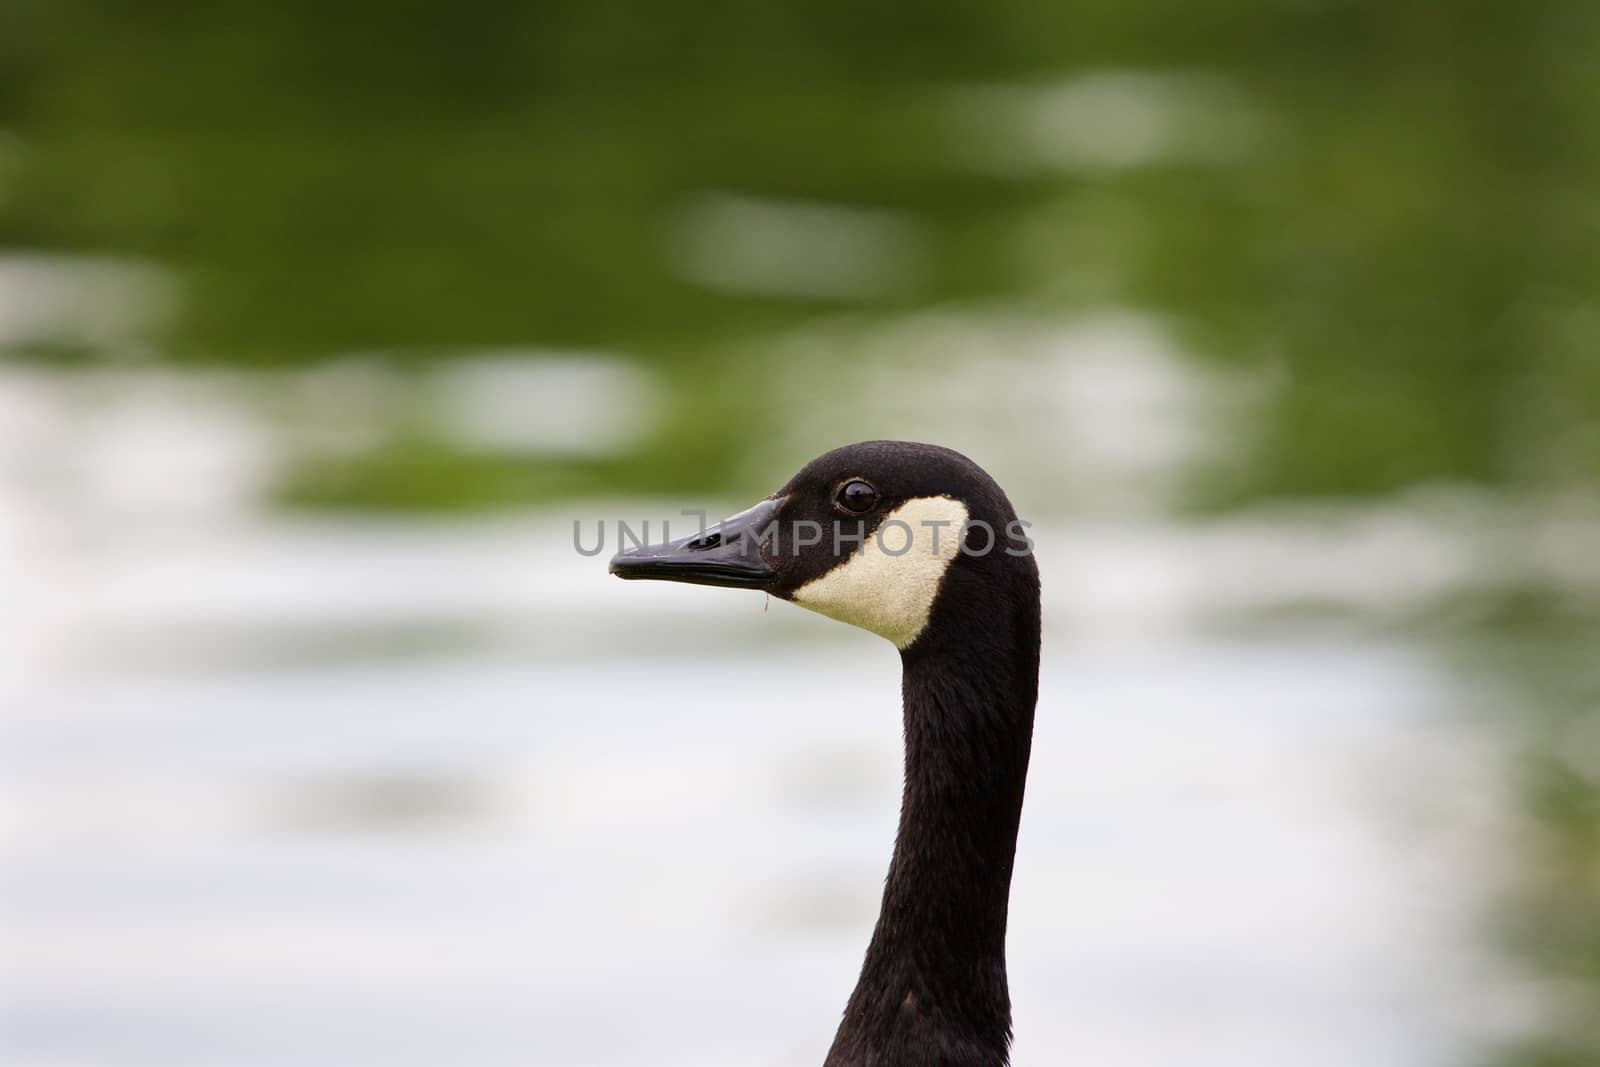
(857, 496)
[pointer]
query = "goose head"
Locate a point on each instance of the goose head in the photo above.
(893, 537)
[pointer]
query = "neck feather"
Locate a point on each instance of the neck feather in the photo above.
(933, 987)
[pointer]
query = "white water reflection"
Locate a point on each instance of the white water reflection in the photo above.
(1106, 121)
(81, 300)
(474, 859)
(794, 248)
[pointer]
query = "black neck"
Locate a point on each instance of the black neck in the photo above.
(933, 986)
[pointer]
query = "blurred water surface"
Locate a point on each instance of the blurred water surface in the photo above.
(320, 328)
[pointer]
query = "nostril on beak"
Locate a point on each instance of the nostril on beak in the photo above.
(710, 540)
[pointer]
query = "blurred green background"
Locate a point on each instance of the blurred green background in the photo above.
(1369, 228)
(1392, 205)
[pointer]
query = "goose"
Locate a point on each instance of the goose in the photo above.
(916, 543)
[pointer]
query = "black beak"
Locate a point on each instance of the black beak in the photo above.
(726, 554)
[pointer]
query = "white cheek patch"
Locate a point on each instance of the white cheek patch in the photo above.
(884, 589)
